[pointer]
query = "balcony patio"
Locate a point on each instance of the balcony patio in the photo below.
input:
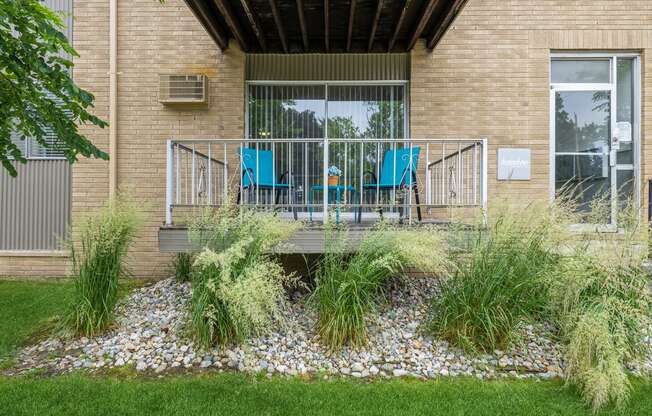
(404, 181)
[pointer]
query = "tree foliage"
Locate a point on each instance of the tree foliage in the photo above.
(37, 93)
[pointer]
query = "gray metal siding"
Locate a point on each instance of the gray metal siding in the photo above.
(35, 205)
(328, 67)
(64, 6)
(305, 241)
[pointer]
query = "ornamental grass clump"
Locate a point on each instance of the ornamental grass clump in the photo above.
(500, 281)
(238, 286)
(349, 287)
(600, 301)
(182, 266)
(98, 262)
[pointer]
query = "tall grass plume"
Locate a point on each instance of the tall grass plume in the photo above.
(98, 260)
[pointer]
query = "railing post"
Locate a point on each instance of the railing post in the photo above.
(325, 181)
(169, 183)
(485, 165)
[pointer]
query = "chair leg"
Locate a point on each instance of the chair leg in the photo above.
(380, 210)
(416, 195)
(278, 196)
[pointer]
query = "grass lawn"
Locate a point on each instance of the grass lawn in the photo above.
(230, 394)
(25, 307)
(30, 307)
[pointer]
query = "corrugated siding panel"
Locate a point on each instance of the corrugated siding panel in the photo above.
(35, 205)
(305, 241)
(328, 67)
(64, 6)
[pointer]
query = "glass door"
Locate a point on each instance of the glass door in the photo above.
(593, 134)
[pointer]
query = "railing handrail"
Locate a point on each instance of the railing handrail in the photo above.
(321, 139)
(463, 189)
(198, 153)
(454, 154)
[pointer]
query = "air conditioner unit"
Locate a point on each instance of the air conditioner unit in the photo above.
(183, 89)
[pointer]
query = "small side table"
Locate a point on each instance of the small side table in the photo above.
(333, 190)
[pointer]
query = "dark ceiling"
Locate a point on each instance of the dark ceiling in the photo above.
(318, 26)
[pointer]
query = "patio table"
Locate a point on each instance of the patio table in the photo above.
(333, 190)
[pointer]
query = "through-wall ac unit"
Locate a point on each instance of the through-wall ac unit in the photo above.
(183, 89)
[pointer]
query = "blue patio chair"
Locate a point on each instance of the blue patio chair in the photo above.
(397, 172)
(258, 173)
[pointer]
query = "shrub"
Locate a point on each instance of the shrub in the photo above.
(183, 266)
(499, 282)
(600, 301)
(98, 263)
(349, 286)
(238, 286)
(526, 265)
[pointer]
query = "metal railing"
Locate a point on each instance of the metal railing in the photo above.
(380, 178)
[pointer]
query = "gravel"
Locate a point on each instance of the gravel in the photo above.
(151, 335)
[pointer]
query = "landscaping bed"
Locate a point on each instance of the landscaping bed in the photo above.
(151, 334)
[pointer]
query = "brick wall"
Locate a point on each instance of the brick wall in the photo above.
(153, 39)
(489, 76)
(167, 39)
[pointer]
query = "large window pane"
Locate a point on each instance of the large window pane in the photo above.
(580, 71)
(286, 111)
(375, 111)
(582, 121)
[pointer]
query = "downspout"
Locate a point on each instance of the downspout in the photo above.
(113, 97)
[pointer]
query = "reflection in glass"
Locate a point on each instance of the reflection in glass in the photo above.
(625, 186)
(625, 105)
(580, 71)
(583, 121)
(374, 111)
(585, 177)
(286, 112)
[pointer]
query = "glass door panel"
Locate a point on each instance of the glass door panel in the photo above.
(582, 147)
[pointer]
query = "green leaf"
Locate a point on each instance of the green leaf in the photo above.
(37, 92)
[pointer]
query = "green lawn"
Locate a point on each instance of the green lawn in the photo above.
(231, 394)
(26, 306)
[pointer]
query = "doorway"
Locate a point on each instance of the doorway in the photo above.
(594, 130)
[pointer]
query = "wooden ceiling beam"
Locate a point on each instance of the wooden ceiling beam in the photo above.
(207, 20)
(279, 25)
(255, 24)
(349, 34)
(232, 22)
(326, 24)
(397, 29)
(444, 23)
(302, 24)
(374, 25)
(426, 14)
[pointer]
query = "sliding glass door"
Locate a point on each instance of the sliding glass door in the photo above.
(296, 118)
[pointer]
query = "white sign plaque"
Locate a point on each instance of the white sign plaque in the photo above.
(514, 164)
(624, 131)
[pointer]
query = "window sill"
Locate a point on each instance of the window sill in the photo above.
(34, 253)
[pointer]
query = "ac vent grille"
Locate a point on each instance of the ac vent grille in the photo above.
(183, 89)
